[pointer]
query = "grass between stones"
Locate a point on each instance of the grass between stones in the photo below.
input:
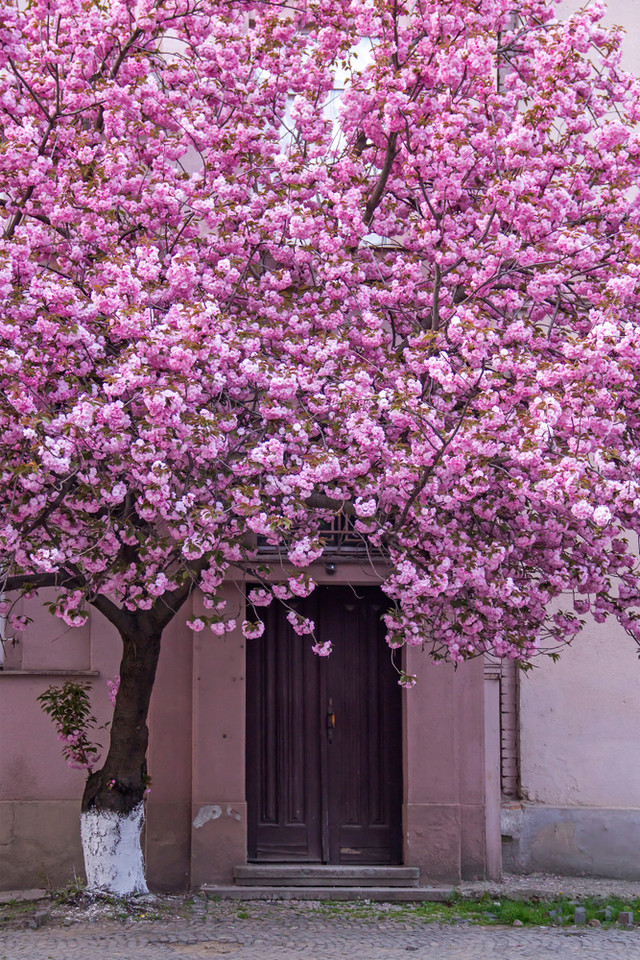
(601, 911)
(73, 905)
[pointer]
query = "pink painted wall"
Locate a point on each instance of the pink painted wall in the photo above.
(39, 794)
(218, 804)
(445, 770)
(35, 768)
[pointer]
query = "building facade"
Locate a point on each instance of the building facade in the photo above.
(260, 751)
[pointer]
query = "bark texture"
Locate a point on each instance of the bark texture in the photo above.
(121, 783)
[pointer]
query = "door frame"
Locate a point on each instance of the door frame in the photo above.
(444, 752)
(330, 825)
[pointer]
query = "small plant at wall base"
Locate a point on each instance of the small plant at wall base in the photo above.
(252, 279)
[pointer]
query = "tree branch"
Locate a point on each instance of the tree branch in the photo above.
(34, 95)
(137, 33)
(51, 507)
(121, 620)
(322, 502)
(38, 581)
(376, 196)
(166, 606)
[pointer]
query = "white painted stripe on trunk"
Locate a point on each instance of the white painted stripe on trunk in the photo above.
(112, 854)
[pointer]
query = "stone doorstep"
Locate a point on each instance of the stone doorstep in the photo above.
(316, 875)
(380, 894)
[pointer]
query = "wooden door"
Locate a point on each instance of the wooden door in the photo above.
(324, 758)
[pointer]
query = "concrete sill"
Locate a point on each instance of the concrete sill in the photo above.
(49, 673)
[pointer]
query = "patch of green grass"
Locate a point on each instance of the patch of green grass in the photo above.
(349, 909)
(534, 912)
(483, 911)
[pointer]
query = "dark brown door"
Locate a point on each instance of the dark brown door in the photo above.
(324, 756)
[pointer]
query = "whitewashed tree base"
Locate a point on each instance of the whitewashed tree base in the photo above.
(112, 853)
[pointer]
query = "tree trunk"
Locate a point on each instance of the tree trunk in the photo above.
(113, 801)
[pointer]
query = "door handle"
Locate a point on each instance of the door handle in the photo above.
(331, 720)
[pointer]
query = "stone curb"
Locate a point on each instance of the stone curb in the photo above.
(375, 894)
(20, 896)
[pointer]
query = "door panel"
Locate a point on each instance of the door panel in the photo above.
(319, 792)
(283, 748)
(364, 761)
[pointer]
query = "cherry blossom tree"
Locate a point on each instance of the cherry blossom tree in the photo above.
(253, 278)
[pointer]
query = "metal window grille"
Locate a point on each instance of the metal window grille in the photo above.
(339, 537)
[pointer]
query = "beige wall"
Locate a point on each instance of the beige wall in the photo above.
(580, 762)
(580, 723)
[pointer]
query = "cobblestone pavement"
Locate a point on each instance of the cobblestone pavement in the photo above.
(304, 932)
(546, 885)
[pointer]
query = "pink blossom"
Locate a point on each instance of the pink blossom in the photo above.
(260, 597)
(602, 515)
(113, 687)
(365, 507)
(237, 312)
(322, 649)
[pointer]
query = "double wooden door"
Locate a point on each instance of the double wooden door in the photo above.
(324, 734)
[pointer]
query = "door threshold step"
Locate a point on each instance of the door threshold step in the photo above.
(375, 894)
(321, 875)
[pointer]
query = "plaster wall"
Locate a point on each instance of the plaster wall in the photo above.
(218, 812)
(580, 761)
(580, 723)
(40, 795)
(449, 806)
(170, 761)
